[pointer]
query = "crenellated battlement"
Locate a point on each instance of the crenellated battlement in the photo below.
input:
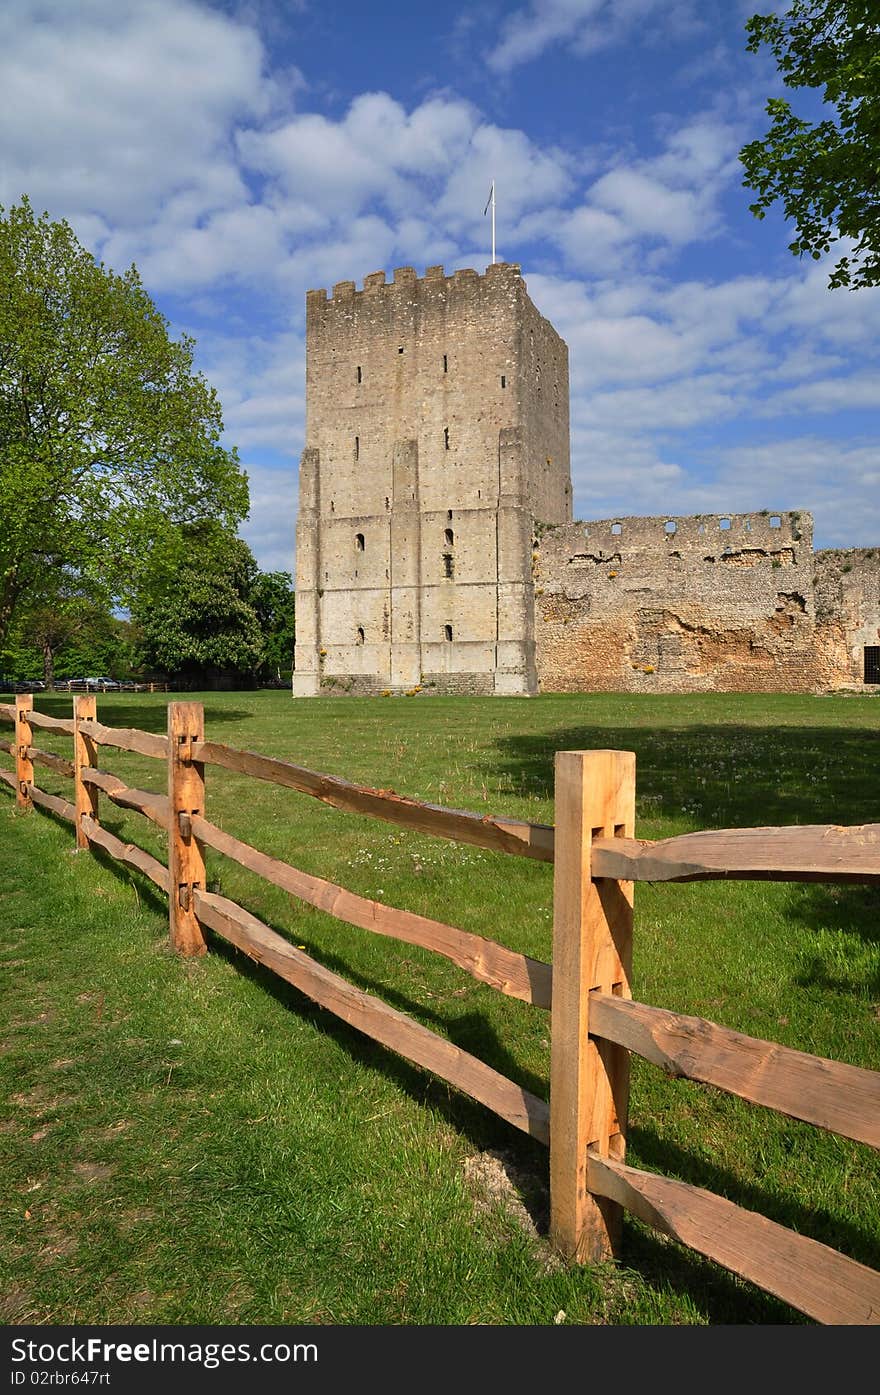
(715, 532)
(405, 281)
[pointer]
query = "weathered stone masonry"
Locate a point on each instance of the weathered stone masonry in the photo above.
(436, 437)
(734, 603)
(436, 551)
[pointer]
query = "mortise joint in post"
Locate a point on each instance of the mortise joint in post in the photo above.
(184, 895)
(184, 823)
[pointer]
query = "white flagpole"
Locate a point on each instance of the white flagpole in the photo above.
(490, 203)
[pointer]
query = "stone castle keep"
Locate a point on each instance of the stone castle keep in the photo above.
(435, 544)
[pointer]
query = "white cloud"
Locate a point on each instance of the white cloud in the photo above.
(836, 483)
(157, 128)
(112, 109)
(270, 529)
(646, 207)
(639, 210)
(855, 390)
(583, 25)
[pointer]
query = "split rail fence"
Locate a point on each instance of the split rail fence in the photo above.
(595, 1024)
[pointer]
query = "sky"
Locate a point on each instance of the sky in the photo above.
(242, 153)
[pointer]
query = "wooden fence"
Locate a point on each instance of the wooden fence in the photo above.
(595, 1025)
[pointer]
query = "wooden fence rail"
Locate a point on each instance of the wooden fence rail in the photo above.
(595, 1024)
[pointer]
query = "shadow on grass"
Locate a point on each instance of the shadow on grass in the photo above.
(116, 710)
(841, 914)
(735, 776)
(664, 1265)
(477, 1123)
(661, 1155)
(470, 1031)
(740, 776)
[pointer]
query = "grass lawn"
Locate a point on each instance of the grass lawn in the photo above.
(194, 1142)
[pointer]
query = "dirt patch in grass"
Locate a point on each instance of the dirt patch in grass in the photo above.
(57, 1246)
(94, 1171)
(112, 1131)
(16, 1305)
(135, 1216)
(41, 1019)
(41, 1100)
(496, 1180)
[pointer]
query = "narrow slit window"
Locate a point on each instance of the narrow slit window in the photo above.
(448, 565)
(360, 634)
(360, 376)
(358, 542)
(445, 364)
(447, 631)
(357, 447)
(449, 537)
(400, 350)
(446, 437)
(503, 380)
(449, 514)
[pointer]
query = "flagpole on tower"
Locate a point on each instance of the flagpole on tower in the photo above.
(490, 203)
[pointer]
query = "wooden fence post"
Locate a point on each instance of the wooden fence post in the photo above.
(85, 753)
(24, 736)
(592, 950)
(186, 796)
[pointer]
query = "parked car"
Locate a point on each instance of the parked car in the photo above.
(29, 685)
(104, 685)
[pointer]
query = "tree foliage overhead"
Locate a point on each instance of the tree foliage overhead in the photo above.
(109, 441)
(827, 173)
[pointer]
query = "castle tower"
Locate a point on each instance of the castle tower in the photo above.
(436, 438)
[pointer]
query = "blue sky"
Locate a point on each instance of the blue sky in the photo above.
(243, 153)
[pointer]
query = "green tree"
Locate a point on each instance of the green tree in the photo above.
(110, 443)
(65, 628)
(201, 622)
(272, 597)
(826, 173)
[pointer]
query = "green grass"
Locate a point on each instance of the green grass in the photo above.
(194, 1142)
